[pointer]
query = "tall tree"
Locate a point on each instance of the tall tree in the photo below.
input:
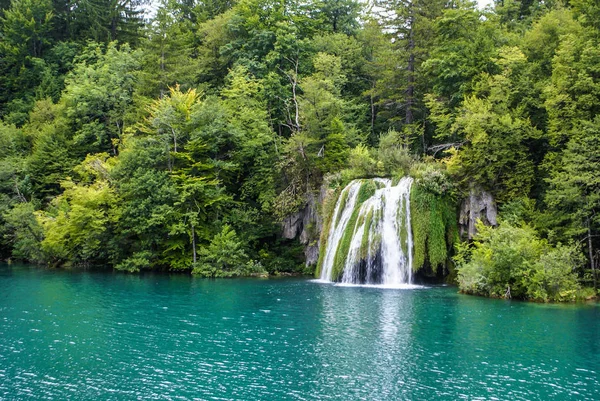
(98, 95)
(408, 24)
(574, 194)
(100, 20)
(167, 59)
(25, 37)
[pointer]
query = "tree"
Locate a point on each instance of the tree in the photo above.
(409, 27)
(80, 222)
(224, 257)
(339, 15)
(574, 194)
(464, 46)
(167, 59)
(106, 20)
(25, 31)
(98, 94)
(173, 120)
(513, 262)
(587, 11)
(255, 154)
(573, 94)
(147, 205)
(492, 135)
(25, 28)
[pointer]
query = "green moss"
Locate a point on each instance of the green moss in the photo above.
(402, 226)
(341, 253)
(361, 220)
(327, 213)
(367, 189)
(343, 201)
(375, 243)
(451, 219)
(433, 220)
(364, 243)
(379, 185)
(419, 221)
(436, 238)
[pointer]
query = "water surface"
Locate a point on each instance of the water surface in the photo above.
(107, 336)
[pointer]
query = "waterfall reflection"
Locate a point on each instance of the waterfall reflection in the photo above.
(366, 338)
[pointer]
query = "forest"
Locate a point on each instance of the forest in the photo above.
(180, 139)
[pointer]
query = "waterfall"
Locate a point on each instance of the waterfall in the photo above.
(378, 232)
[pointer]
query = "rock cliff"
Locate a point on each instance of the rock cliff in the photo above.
(479, 204)
(307, 224)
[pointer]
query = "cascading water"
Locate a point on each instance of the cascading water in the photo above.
(379, 235)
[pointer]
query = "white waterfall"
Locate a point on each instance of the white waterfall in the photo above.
(345, 206)
(380, 250)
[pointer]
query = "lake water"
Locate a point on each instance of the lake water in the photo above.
(107, 336)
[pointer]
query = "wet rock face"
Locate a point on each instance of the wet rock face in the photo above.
(307, 225)
(481, 205)
(292, 225)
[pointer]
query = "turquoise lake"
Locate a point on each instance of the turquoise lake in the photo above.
(109, 336)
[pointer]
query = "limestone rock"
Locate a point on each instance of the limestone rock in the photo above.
(307, 224)
(479, 204)
(292, 225)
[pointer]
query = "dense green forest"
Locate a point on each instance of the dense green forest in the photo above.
(181, 141)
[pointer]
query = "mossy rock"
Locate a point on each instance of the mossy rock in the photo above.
(434, 227)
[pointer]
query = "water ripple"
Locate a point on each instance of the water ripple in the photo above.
(119, 337)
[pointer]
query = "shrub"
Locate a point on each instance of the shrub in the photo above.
(514, 258)
(431, 178)
(361, 164)
(225, 257)
(138, 261)
(393, 155)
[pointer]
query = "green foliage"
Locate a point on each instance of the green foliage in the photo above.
(513, 260)
(25, 31)
(135, 263)
(433, 222)
(394, 155)
(167, 60)
(464, 46)
(225, 257)
(431, 178)
(335, 148)
(133, 143)
(573, 194)
(98, 94)
(50, 161)
(76, 228)
(23, 232)
(496, 135)
(360, 164)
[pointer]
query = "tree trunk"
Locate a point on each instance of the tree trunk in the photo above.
(297, 108)
(293, 78)
(113, 28)
(591, 253)
(193, 243)
(174, 140)
(410, 89)
(372, 109)
(162, 69)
